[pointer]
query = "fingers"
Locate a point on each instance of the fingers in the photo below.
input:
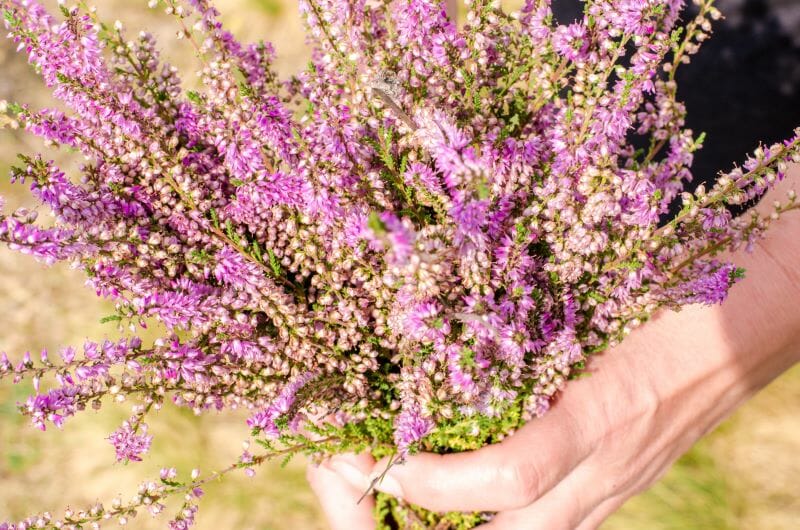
(504, 476)
(561, 508)
(602, 512)
(338, 484)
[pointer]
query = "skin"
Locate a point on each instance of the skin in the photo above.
(611, 435)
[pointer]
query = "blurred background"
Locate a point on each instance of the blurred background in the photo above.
(743, 476)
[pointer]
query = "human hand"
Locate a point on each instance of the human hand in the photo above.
(611, 435)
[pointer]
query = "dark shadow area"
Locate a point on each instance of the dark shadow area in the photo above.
(743, 87)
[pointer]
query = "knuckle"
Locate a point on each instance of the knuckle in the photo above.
(521, 483)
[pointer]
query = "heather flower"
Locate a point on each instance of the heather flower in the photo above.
(710, 286)
(571, 42)
(265, 420)
(410, 426)
(128, 444)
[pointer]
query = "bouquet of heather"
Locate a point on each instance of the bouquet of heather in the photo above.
(413, 244)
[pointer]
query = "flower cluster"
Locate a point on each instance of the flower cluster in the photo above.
(412, 244)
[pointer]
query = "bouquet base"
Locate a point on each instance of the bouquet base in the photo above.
(394, 514)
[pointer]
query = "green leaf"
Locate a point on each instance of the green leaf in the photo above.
(467, 360)
(199, 256)
(522, 232)
(214, 217)
(483, 189)
(675, 36)
(110, 318)
(699, 142)
(403, 163)
(257, 252)
(596, 296)
(9, 16)
(633, 265)
(232, 235)
(738, 273)
(246, 90)
(384, 151)
(194, 97)
(375, 224)
(274, 263)
(15, 108)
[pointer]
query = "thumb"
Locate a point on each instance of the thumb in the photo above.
(339, 483)
(498, 477)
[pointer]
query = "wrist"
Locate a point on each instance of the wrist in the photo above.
(726, 353)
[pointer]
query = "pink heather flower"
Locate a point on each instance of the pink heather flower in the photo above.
(130, 444)
(264, 421)
(716, 218)
(54, 406)
(571, 42)
(710, 287)
(421, 174)
(410, 426)
(423, 322)
(400, 236)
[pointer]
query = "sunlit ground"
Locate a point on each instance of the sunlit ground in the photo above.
(742, 476)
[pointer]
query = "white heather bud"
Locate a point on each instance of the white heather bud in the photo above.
(118, 25)
(195, 473)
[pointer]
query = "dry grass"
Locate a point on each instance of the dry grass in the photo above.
(742, 476)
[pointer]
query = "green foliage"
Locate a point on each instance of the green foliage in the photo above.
(694, 494)
(256, 250)
(231, 231)
(274, 263)
(391, 513)
(194, 97)
(15, 108)
(698, 143)
(385, 149)
(271, 7)
(214, 217)
(200, 257)
(9, 17)
(375, 223)
(468, 433)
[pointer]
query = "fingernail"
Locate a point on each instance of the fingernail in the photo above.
(387, 484)
(350, 473)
